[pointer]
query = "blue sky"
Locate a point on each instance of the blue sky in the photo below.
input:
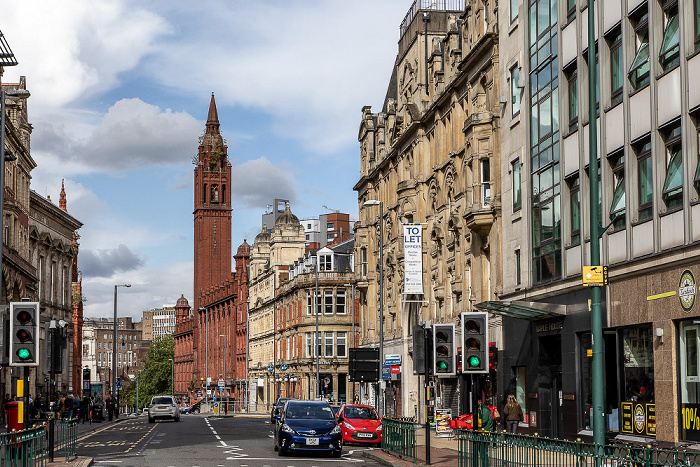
(120, 93)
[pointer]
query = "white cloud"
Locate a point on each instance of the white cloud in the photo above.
(256, 182)
(132, 135)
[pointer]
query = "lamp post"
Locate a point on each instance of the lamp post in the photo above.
(172, 377)
(225, 352)
(374, 202)
(115, 397)
(317, 337)
(352, 312)
(206, 354)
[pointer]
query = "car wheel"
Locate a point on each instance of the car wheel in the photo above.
(338, 453)
(150, 420)
(177, 419)
(280, 451)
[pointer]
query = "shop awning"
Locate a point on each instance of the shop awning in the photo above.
(522, 309)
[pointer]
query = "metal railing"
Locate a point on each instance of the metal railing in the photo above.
(399, 437)
(26, 448)
(446, 5)
(479, 449)
(65, 437)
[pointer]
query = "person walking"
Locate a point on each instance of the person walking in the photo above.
(513, 414)
(485, 417)
(110, 407)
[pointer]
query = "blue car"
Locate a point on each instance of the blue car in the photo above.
(307, 426)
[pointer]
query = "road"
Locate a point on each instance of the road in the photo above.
(199, 441)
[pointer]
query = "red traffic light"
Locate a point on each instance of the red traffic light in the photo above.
(24, 317)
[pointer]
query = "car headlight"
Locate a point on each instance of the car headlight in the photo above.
(379, 428)
(336, 429)
(287, 429)
(348, 426)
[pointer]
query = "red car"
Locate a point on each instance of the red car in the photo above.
(360, 424)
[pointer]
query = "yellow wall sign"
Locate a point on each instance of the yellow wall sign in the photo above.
(595, 275)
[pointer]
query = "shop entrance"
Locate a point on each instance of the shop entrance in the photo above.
(549, 386)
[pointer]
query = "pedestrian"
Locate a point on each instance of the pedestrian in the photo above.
(356, 400)
(69, 406)
(110, 407)
(365, 399)
(513, 414)
(485, 417)
(85, 409)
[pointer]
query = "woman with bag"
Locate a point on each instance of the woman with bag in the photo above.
(513, 414)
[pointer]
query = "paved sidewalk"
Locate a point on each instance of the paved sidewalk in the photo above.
(443, 451)
(83, 429)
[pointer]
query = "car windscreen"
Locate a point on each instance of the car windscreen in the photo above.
(161, 400)
(309, 412)
(361, 413)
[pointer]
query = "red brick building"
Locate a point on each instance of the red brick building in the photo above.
(207, 337)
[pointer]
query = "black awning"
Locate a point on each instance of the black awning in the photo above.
(523, 310)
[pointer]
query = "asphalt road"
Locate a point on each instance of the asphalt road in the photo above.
(199, 441)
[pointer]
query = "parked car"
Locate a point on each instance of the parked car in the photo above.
(277, 407)
(360, 424)
(163, 407)
(307, 426)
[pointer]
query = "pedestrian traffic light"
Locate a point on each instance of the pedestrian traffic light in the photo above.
(444, 361)
(24, 333)
(475, 352)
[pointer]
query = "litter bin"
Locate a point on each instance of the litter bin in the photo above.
(97, 413)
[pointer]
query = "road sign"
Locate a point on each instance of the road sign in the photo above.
(284, 367)
(595, 276)
(221, 383)
(119, 384)
(270, 368)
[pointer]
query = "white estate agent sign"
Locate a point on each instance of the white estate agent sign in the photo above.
(413, 258)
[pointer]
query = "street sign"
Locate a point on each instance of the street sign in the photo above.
(221, 383)
(284, 367)
(270, 368)
(595, 276)
(119, 384)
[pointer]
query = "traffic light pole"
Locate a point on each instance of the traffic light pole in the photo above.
(428, 364)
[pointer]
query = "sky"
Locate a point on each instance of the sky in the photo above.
(120, 91)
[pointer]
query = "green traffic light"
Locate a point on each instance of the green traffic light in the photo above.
(23, 353)
(474, 361)
(442, 365)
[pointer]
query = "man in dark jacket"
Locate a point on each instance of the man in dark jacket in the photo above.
(110, 407)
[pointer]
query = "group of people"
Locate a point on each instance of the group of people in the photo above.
(66, 406)
(489, 416)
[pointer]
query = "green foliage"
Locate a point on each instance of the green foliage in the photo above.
(156, 377)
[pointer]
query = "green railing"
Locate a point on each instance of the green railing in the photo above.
(399, 437)
(65, 437)
(26, 448)
(479, 449)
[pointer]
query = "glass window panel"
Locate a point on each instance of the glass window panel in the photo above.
(513, 10)
(542, 16)
(546, 179)
(533, 26)
(618, 203)
(553, 13)
(674, 175)
(669, 46)
(646, 191)
(545, 117)
(557, 217)
(515, 91)
(573, 98)
(517, 185)
(697, 170)
(547, 222)
(691, 352)
(534, 126)
(639, 70)
(555, 110)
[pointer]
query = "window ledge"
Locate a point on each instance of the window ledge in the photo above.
(515, 120)
(514, 25)
(632, 93)
(609, 108)
(517, 214)
(670, 211)
(569, 246)
(661, 75)
(692, 54)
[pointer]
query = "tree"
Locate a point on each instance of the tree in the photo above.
(156, 376)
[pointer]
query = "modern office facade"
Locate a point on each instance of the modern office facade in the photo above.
(158, 322)
(647, 121)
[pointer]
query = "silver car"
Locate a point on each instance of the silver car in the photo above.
(163, 407)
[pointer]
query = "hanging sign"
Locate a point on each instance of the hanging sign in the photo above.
(413, 258)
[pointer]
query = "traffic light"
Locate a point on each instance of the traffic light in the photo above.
(475, 351)
(444, 361)
(24, 333)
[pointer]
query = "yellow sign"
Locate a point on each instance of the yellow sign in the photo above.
(595, 276)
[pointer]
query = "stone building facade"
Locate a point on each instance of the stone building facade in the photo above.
(431, 156)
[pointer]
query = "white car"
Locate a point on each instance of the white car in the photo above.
(163, 407)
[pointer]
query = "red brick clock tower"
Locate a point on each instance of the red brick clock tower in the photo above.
(212, 210)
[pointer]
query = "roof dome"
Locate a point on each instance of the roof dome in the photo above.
(244, 249)
(263, 236)
(182, 301)
(287, 217)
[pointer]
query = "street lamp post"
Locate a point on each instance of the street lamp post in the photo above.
(225, 352)
(317, 337)
(352, 312)
(374, 202)
(115, 397)
(172, 377)
(206, 354)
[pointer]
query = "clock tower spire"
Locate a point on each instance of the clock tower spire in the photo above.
(212, 209)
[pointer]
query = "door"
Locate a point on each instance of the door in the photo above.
(549, 386)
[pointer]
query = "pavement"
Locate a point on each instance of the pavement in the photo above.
(83, 429)
(443, 451)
